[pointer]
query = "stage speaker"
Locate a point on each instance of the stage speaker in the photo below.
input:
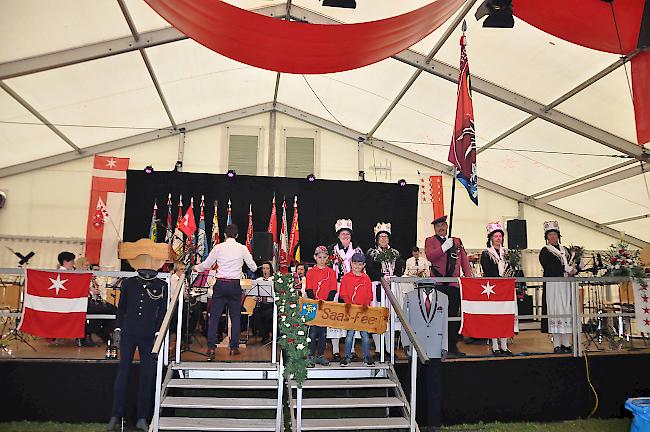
(262, 246)
(517, 237)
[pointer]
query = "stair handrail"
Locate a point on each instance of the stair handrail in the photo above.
(164, 327)
(406, 326)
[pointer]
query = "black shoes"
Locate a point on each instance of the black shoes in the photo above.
(142, 425)
(113, 424)
(211, 355)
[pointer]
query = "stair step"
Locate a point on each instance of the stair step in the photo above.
(347, 383)
(232, 384)
(352, 365)
(355, 402)
(218, 403)
(215, 424)
(355, 424)
(222, 366)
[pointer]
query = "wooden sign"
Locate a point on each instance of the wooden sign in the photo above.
(146, 254)
(344, 316)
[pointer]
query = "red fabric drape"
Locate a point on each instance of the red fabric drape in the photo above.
(294, 47)
(590, 23)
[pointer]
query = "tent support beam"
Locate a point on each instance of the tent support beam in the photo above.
(574, 91)
(583, 178)
(630, 219)
(446, 169)
(452, 27)
(39, 116)
(135, 140)
(147, 62)
(593, 184)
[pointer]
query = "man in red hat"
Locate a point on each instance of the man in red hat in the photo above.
(447, 256)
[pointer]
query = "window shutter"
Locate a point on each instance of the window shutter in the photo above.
(242, 154)
(299, 157)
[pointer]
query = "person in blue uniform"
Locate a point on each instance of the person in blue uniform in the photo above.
(142, 307)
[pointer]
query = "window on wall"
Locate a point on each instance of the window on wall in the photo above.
(299, 157)
(242, 154)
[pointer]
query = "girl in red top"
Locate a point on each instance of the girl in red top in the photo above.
(320, 284)
(356, 288)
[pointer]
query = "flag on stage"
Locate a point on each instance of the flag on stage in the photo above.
(294, 236)
(273, 229)
(215, 226)
(462, 153)
(169, 232)
(188, 226)
(284, 243)
(177, 240)
(249, 231)
(153, 228)
(229, 219)
(107, 192)
(487, 307)
(55, 304)
(202, 246)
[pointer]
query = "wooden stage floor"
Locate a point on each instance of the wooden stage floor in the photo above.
(527, 344)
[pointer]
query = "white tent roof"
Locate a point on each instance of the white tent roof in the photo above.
(523, 67)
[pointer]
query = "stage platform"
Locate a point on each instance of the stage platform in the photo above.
(68, 383)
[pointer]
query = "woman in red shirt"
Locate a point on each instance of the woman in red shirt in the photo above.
(356, 288)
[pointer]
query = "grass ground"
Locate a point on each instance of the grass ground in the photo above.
(592, 425)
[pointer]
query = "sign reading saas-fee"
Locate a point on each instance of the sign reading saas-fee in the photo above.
(344, 316)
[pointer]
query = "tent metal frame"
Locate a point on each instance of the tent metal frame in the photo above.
(142, 41)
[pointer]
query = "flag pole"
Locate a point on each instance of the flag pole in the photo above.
(453, 200)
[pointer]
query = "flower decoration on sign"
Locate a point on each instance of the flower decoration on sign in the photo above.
(292, 328)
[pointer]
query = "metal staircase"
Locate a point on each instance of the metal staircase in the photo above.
(221, 397)
(355, 398)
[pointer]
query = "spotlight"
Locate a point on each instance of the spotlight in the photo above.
(401, 182)
(311, 178)
(231, 174)
(178, 167)
(148, 169)
(350, 4)
(499, 13)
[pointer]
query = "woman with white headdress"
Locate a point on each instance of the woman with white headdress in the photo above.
(556, 296)
(341, 260)
(495, 264)
(383, 260)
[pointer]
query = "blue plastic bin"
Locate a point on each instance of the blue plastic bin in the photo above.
(640, 407)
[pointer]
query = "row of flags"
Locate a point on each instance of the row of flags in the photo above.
(191, 245)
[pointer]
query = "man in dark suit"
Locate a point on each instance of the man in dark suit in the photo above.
(142, 307)
(448, 257)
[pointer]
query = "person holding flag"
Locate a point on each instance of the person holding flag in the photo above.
(448, 257)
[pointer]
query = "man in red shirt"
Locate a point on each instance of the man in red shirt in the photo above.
(356, 288)
(320, 284)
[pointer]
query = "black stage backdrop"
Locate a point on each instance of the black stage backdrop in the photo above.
(320, 204)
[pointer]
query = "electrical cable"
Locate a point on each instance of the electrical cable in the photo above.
(620, 47)
(87, 126)
(593, 411)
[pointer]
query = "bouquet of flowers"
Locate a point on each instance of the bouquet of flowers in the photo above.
(336, 262)
(621, 261)
(387, 255)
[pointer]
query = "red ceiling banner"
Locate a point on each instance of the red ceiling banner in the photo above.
(295, 47)
(591, 24)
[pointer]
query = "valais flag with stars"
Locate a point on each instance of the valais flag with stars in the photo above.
(55, 304)
(487, 307)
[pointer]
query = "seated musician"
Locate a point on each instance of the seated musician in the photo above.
(103, 328)
(263, 312)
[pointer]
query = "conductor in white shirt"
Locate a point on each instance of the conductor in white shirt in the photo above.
(417, 265)
(229, 256)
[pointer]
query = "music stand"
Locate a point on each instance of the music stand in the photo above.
(15, 334)
(262, 289)
(200, 281)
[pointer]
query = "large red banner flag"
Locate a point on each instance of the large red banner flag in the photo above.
(106, 210)
(462, 152)
(284, 241)
(273, 229)
(55, 304)
(487, 307)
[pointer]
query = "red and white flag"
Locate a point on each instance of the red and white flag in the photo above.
(487, 307)
(55, 304)
(188, 223)
(249, 231)
(107, 194)
(284, 241)
(273, 229)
